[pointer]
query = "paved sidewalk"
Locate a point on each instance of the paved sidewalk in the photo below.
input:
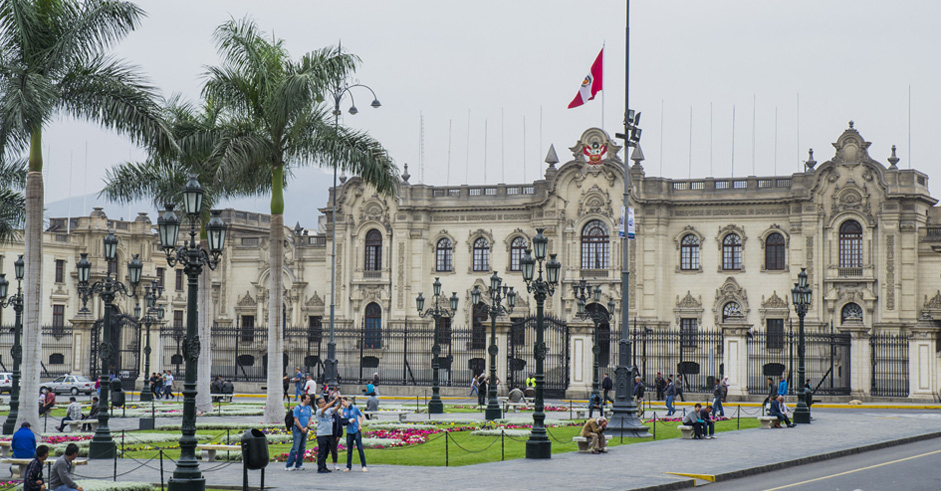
(638, 466)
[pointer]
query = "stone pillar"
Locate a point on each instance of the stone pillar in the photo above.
(860, 357)
(735, 355)
(503, 331)
(923, 359)
(580, 359)
(82, 326)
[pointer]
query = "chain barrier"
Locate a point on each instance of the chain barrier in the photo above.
(556, 439)
(105, 477)
(473, 451)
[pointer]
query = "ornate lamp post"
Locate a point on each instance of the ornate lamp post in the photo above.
(583, 292)
(187, 475)
(338, 91)
(152, 316)
(102, 446)
(538, 446)
(801, 296)
(435, 406)
(17, 351)
(497, 292)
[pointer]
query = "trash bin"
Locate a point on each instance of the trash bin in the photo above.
(254, 449)
(117, 393)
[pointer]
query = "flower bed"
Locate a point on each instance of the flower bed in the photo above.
(223, 426)
(499, 432)
(398, 426)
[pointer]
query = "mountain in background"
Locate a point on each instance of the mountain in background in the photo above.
(304, 195)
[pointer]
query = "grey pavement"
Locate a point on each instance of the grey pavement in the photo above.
(643, 465)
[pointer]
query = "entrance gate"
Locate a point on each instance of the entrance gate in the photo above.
(521, 360)
(125, 341)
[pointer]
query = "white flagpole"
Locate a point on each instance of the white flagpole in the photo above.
(68, 223)
(690, 175)
(85, 184)
(467, 152)
(485, 150)
(661, 138)
(733, 140)
(602, 88)
(524, 149)
(502, 154)
(448, 179)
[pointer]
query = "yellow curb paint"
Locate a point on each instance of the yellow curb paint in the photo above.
(701, 477)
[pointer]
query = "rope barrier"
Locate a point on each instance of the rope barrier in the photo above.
(473, 451)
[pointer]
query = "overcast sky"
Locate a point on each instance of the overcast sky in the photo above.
(498, 63)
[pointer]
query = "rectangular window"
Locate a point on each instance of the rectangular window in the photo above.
(60, 270)
(58, 315)
(444, 330)
(315, 328)
(247, 328)
(179, 280)
(177, 318)
(161, 274)
(775, 333)
(689, 330)
(481, 259)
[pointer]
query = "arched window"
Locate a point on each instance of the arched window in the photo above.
(732, 252)
(372, 328)
(595, 246)
(732, 310)
(373, 250)
(689, 253)
(851, 244)
(481, 254)
(444, 254)
(516, 253)
(774, 252)
(851, 312)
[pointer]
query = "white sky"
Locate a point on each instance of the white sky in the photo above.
(847, 60)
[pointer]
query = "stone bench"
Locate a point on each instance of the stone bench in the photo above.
(515, 406)
(687, 432)
(584, 444)
(75, 425)
(767, 422)
(209, 450)
(23, 463)
(400, 414)
(582, 413)
(5, 449)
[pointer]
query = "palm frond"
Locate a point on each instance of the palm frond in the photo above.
(93, 26)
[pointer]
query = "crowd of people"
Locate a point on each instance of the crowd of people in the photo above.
(333, 414)
(60, 478)
(161, 385)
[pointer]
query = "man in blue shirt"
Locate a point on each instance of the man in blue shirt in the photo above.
(782, 386)
(24, 443)
(302, 415)
(298, 383)
(352, 417)
(324, 417)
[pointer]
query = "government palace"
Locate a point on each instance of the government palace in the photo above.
(712, 266)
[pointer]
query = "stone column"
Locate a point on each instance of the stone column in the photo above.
(82, 326)
(580, 359)
(923, 359)
(860, 357)
(503, 332)
(735, 355)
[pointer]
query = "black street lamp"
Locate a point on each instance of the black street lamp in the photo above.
(152, 316)
(187, 475)
(497, 292)
(801, 296)
(338, 91)
(538, 446)
(583, 292)
(435, 406)
(17, 351)
(102, 446)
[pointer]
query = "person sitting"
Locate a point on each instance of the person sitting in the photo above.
(48, 402)
(24, 442)
(594, 403)
(92, 414)
(709, 422)
(61, 479)
(72, 413)
(778, 410)
(516, 395)
(694, 419)
(32, 478)
(370, 389)
(372, 404)
(216, 389)
(228, 389)
(594, 431)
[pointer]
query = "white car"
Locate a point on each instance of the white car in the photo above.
(6, 382)
(73, 384)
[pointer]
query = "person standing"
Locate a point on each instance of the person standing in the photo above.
(782, 386)
(639, 395)
(32, 478)
(354, 438)
(310, 387)
(337, 433)
(473, 386)
(482, 387)
(607, 386)
(670, 393)
(594, 431)
(168, 385)
(302, 415)
(61, 479)
(717, 399)
(324, 417)
(72, 413)
(298, 383)
(772, 393)
(660, 384)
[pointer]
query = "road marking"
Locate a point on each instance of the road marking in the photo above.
(704, 477)
(855, 470)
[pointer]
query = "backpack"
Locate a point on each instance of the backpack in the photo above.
(289, 419)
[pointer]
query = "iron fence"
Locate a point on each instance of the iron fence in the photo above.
(889, 358)
(826, 361)
(56, 350)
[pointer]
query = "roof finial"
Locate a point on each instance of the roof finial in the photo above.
(851, 124)
(810, 163)
(551, 157)
(893, 160)
(405, 174)
(637, 156)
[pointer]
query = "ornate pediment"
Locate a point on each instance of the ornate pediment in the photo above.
(688, 302)
(730, 291)
(774, 307)
(773, 302)
(688, 307)
(594, 147)
(247, 301)
(314, 301)
(934, 303)
(596, 201)
(375, 210)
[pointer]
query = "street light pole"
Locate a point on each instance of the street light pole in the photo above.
(151, 316)
(339, 91)
(187, 476)
(801, 295)
(102, 445)
(583, 292)
(435, 406)
(9, 426)
(538, 446)
(497, 293)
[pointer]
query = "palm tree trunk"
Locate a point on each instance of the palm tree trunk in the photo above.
(204, 373)
(274, 407)
(32, 298)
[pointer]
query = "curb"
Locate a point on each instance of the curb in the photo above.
(761, 469)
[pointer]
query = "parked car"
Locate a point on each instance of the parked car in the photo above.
(6, 382)
(73, 384)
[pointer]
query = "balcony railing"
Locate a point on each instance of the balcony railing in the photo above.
(933, 233)
(850, 272)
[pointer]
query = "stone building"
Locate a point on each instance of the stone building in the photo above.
(712, 266)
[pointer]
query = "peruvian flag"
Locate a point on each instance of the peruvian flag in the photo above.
(591, 85)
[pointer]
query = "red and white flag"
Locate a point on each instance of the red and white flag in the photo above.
(592, 83)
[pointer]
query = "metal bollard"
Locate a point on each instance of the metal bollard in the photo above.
(446, 450)
(161, 469)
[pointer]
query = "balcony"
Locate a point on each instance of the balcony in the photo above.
(594, 273)
(850, 272)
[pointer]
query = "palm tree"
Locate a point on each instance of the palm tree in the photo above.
(12, 201)
(285, 124)
(53, 61)
(198, 133)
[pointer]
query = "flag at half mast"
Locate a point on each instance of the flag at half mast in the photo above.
(592, 83)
